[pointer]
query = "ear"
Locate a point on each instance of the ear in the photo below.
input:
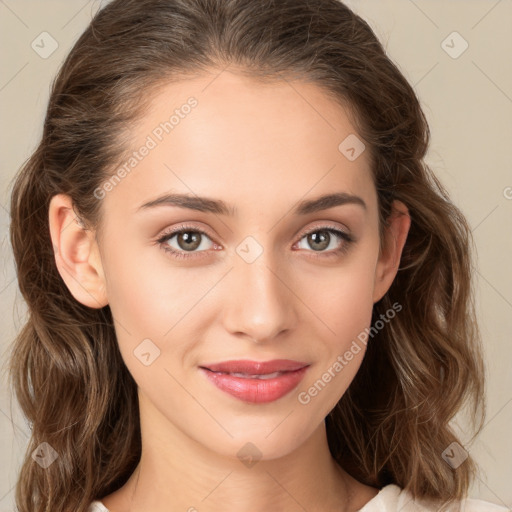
(76, 254)
(393, 244)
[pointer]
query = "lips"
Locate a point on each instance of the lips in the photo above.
(256, 381)
(256, 367)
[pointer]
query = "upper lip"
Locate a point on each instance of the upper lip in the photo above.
(256, 367)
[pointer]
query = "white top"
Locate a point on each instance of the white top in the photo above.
(391, 498)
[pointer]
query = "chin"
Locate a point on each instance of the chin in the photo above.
(259, 441)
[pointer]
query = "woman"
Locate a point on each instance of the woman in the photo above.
(247, 290)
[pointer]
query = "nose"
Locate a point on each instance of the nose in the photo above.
(261, 305)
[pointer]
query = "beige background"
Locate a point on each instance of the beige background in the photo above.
(467, 100)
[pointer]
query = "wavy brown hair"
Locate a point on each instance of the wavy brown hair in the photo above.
(393, 422)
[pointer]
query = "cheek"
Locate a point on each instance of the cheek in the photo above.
(146, 295)
(152, 300)
(343, 303)
(342, 297)
(134, 297)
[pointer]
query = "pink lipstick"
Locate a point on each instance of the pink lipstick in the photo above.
(256, 381)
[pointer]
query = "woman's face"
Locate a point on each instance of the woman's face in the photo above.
(244, 281)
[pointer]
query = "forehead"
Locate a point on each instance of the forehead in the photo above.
(229, 136)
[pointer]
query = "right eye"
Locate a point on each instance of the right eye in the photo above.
(188, 240)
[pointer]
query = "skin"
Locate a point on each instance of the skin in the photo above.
(261, 148)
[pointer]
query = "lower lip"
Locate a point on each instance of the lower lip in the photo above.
(256, 391)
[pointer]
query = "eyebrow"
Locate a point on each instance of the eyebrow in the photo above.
(217, 206)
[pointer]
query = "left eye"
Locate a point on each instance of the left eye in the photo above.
(322, 238)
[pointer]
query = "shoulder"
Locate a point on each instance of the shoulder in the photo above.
(392, 498)
(97, 506)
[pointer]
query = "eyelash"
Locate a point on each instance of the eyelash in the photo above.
(166, 236)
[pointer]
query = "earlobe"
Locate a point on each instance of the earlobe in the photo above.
(76, 254)
(389, 259)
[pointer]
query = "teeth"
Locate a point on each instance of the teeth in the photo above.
(264, 376)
